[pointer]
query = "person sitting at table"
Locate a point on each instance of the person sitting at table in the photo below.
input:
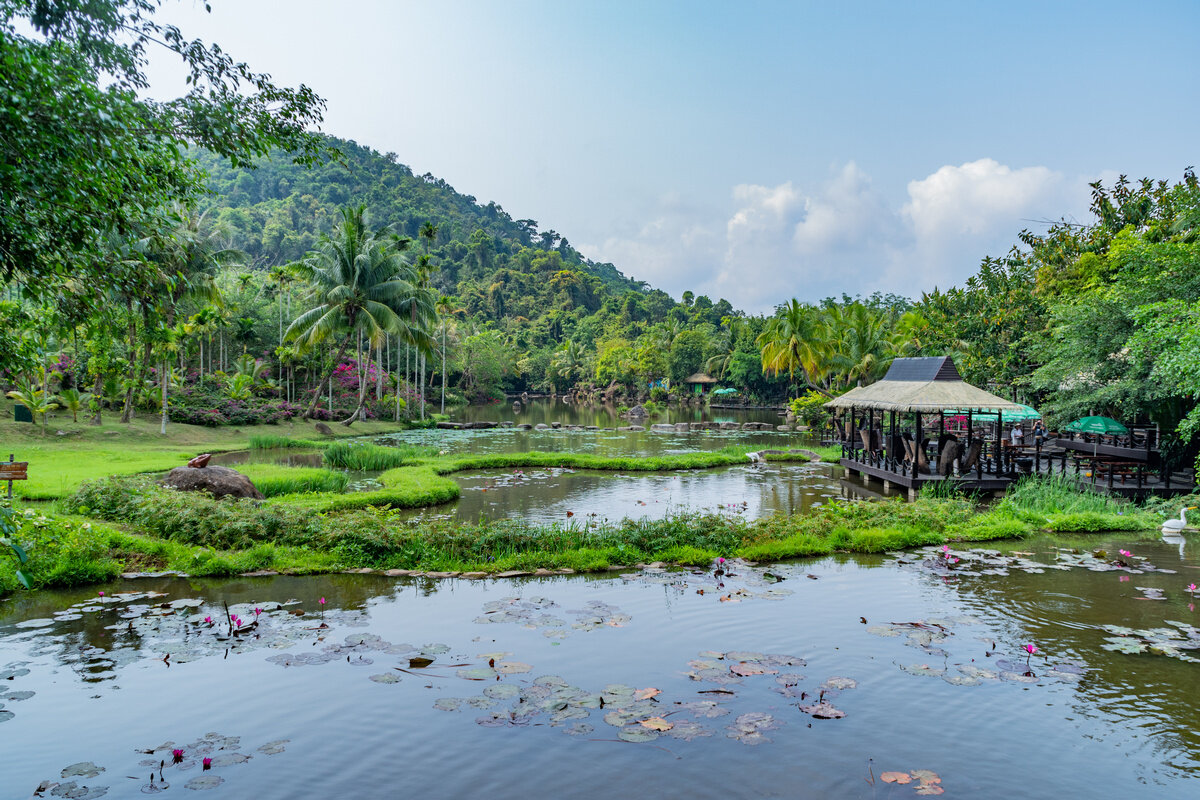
(1017, 436)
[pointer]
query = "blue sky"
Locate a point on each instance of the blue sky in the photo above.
(754, 150)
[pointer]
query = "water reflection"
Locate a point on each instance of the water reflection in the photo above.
(1124, 723)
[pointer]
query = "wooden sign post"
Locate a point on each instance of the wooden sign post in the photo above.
(13, 471)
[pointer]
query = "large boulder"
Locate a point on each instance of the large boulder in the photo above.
(637, 412)
(217, 481)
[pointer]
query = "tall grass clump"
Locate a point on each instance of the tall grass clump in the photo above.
(272, 441)
(374, 458)
(276, 479)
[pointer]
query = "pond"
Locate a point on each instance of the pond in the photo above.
(541, 410)
(869, 676)
(562, 495)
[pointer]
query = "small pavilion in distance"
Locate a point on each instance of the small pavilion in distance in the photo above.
(895, 430)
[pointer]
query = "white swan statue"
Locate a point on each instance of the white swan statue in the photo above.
(1177, 525)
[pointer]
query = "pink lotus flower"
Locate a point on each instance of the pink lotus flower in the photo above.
(321, 601)
(1126, 553)
(176, 756)
(1123, 578)
(720, 560)
(102, 594)
(257, 611)
(945, 548)
(1192, 588)
(207, 763)
(1031, 649)
(209, 621)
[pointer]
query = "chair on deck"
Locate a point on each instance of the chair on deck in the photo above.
(949, 454)
(841, 430)
(973, 453)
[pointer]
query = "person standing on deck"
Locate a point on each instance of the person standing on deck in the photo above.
(1039, 434)
(1018, 436)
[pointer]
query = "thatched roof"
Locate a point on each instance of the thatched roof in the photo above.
(922, 384)
(699, 377)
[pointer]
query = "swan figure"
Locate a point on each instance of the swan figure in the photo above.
(755, 458)
(1177, 525)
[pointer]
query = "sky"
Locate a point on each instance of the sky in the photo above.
(755, 151)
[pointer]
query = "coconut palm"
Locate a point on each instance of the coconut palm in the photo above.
(36, 400)
(445, 308)
(360, 280)
(795, 339)
(863, 343)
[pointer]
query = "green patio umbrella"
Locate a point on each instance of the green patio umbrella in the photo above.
(723, 392)
(1026, 412)
(1096, 425)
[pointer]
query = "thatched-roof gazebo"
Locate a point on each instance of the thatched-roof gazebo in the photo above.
(899, 452)
(700, 381)
(923, 384)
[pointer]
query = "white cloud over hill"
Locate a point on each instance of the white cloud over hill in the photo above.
(775, 242)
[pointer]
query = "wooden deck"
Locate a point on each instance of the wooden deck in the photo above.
(1133, 478)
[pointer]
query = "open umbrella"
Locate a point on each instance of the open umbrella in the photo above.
(723, 392)
(1097, 425)
(1026, 412)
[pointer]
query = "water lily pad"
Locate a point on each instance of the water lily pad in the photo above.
(579, 729)
(202, 782)
(229, 759)
(502, 691)
(512, 667)
(6, 715)
(477, 674)
(73, 791)
(656, 724)
(895, 777)
(838, 683)
(823, 710)
(84, 769)
(448, 703)
(273, 748)
(386, 677)
(636, 734)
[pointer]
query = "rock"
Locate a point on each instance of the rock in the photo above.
(637, 428)
(784, 428)
(323, 429)
(398, 573)
(556, 425)
(508, 423)
(441, 574)
(757, 426)
(682, 427)
(450, 426)
(513, 573)
(200, 461)
(663, 427)
(729, 426)
(541, 426)
(484, 425)
(260, 573)
(637, 412)
(474, 575)
(593, 427)
(525, 426)
(217, 481)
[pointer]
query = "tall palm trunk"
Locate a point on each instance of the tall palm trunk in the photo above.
(327, 379)
(443, 369)
(127, 406)
(362, 387)
(97, 387)
(162, 428)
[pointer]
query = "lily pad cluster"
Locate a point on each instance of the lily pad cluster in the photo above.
(927, 781)
(536, 612)
(355, 649)
(10, 672)
(1181, 641)
(946, 561)
(733, 581)
(169, 765)
(928, 636)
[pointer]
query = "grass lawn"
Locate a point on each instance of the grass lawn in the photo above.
(58, 464)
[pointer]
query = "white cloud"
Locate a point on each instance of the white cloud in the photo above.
(776, 242)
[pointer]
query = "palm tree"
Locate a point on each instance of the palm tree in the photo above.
(864, 343)
(795, 339)
(360, 280)
(72, 400)
(569, 359)
(445, 308)
(36, 400)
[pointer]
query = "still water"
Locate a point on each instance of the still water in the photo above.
(646, 684)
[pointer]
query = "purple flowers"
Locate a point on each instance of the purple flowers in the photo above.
(208, 621)
(176, 756)
(207, 762)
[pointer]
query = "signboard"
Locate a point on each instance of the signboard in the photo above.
(14, 470)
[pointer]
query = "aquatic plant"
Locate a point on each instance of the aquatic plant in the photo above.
(276, 479)
(1030, 649)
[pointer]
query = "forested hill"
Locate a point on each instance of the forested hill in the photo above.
(276, 212)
